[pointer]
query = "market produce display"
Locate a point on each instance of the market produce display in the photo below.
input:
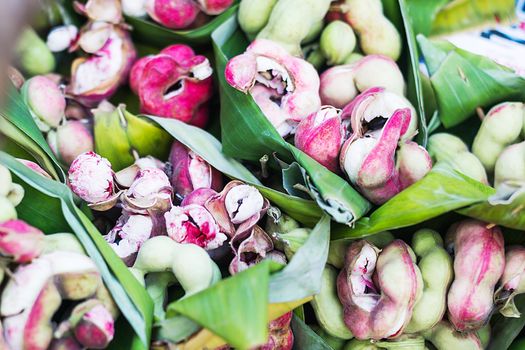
(264, 175)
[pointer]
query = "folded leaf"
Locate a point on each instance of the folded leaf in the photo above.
(440, 191)
(463, 81)
(234, 308)
(505, 211)
(147, 31)
(17, 124)
(301, 278)
(130, 296)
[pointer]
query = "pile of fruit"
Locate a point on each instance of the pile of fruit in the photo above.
(260, 174)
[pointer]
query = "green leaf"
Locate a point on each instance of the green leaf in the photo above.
(305, 337)
(505, 329)
(440, 191)
(422, 14)
(120, 134)
(301, 278)
(463, 81)
(176, 329)
(247, 134)
(147, 31)
(235, 308)
(461, 14)
(499, 211)
(129, 295)
(41, 211)
(17, 124)
(411, 68)
(210, 149)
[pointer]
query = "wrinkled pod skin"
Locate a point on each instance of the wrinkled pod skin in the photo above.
(500, 128)
(327, 307)
(450, 149)
(190, 172)
(270, 74)
(479, 261)
(176, 84)
(190, 264)
(376, 305)
(444, 337)
(512, 281)
(342, 83)
(320, 135)
(436, 269)
(280, 334)
(379, 121)
(98, 76)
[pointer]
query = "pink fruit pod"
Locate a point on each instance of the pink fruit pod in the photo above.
(35, 167)
(97, 76)
(91, 178)
(280, 334)
(479, 263)
(176, 84)
(378, 290)
(20, 241)
(190, 172)
(320, 135)
(285, 87)
(194, 224)
(369, 159)
(340, 84)
(150, 193)
(512, 282)
(96, 328)
(69, 140)
(214, 7)
(130, 232)
(174, 14)
(412, 162)
(250, 249)
(45, 100)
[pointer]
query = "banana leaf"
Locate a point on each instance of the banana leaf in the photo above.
(505, 329)
(400, 14)
(235, 308)
(440, 191)
(17, 124)
(254, 137)
(423, 13)
(503, 209)
(305, 337)
(463, 81)
(210, 149)
(461, 14)
(147, 31)
(130, 296)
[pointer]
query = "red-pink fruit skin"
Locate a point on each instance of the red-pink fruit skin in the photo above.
(21, 241)
(174, 14)
(322, 142)
(479, 263)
